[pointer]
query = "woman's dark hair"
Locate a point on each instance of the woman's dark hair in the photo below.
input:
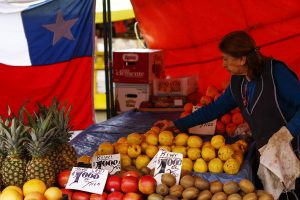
(239, 44)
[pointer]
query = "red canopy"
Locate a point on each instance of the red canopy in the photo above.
(189, 31)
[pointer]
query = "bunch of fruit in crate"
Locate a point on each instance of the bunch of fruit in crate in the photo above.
(227, 123)
(124, 185)
(214, 156)
(37, 149)
(192, 187)
(33, 189)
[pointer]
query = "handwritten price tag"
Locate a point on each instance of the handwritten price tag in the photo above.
(87, 179)
(111, 163)
(168, 162)
(152, 163)
(204, 129)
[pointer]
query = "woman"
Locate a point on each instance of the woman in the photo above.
(266, 91)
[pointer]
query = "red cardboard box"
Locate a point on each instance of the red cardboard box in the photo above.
(137, 65)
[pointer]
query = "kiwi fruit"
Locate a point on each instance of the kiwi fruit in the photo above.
(187, 181)
(230, 187)
(190, 193)
(266, 196)
(162, 189)
(216, 186)
(168, 179)
(246, 186)
(250, 196)
(201, 183)
(219, 196)
(176, 190)
(204, 195)
(170, 197)
(234, 197)
(155, 196)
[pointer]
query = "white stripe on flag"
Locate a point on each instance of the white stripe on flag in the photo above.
(13, 43)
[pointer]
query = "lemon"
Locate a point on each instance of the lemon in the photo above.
(200, 166)
(194, 141)
(217, 141)
(215, 165)
(194, 153)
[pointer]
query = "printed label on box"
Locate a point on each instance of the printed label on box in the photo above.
(111, 163)
(87, 179)
(204, 129)
(168, 162)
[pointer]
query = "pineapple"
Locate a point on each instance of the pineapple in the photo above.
(14, 165)
(40, 141)
(63, 154)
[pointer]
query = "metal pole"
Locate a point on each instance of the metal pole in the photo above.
(107, 76)
(110, 61)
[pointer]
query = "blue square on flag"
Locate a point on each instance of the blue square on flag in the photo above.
(64, 32)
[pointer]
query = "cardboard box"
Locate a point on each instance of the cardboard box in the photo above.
(204, 129)
(130, 96)
(137, 65)
(182, 86)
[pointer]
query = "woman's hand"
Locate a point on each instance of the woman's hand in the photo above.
(165, 125)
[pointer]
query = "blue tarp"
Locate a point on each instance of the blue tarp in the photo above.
(87, 142)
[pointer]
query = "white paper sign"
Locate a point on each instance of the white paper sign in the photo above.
(112, 163)
(152, 163)
(168, 162)
(87, 179)
(208, 128)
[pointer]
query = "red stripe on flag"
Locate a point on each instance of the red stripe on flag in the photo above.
(68, 81)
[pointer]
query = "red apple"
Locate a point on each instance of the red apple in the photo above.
(63, 178)
(220, 128)
(78, 195)
(226, 119)
(132, 196)
(130, 184)
(113, 183)
(115, 196)
(102, 196)
(131, 173)
(147, 184)
(68, 192)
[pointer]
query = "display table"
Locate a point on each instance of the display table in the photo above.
(87, 142)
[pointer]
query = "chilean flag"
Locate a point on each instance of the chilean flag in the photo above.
(46, 51)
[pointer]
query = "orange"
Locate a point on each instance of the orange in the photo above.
(53, 193)
(35, 196)
(14, 188)
(188, 107)
(11, 194)
(34, 185)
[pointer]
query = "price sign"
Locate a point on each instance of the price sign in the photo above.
(152, 163)
(87, 179)
(111, 163)
(204, 129)
(168, 162)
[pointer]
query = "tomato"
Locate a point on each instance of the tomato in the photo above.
(68, 192)
(113, 184)
(102, 196)
(78, 195)
(130, 184)
(115, 196)
(63, 178)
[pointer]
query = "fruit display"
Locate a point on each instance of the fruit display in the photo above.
(193, 187)
(36, 146)
(33, 189)
(200, 156)
(125, 185)
(226, 124)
